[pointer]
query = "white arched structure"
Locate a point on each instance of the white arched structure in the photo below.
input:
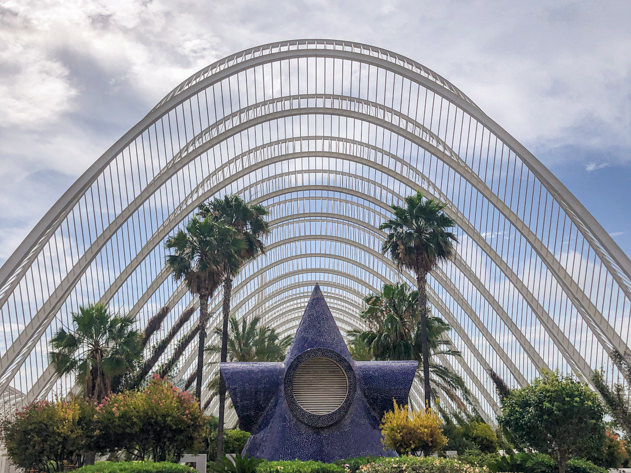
(327, 135)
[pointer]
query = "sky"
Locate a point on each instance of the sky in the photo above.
(76, 75)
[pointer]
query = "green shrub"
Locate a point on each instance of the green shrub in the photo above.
(578, 465)
(297, 466)
(421, 465)
(612, 454)
(159, 422)
(235, 440)
(353, 465)
(557, 415)
(527, 463)
(135, 467)
(474, 435)
(488, 460)
(49, 436)
(238, 464)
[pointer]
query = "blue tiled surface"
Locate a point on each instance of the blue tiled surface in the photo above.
(257, 392)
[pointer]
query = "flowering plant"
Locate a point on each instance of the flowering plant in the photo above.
(48, 436)
(158, 422)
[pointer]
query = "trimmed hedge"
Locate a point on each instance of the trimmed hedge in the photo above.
(353, 465)
(410, 464)
(136, 467)
(297, 466)
(527, 463)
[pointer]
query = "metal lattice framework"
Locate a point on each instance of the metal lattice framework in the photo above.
(327, 135)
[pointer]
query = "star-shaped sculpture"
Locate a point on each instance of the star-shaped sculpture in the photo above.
(319, 404)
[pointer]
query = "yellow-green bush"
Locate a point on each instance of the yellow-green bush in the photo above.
(49, 436)
(408, 432)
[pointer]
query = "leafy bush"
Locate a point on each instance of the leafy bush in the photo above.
(161, 422)
(49, 436)
(297, 466)
(135, 467)
(482, 435)
(474, 435)
(527, 463)
(235, 440)
(421, 465)
(613, 453)
(578, 465)
(353, 465)
(557, 415)
(408, 434)
(238, 464)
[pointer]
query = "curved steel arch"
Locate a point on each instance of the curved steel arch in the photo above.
(442, 279)
(402, 127)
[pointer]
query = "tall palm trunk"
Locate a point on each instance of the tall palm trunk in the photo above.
(227, 293)
(421, 281)
(203, 318)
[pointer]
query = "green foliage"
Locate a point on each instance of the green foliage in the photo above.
(353, 465)
(135, 467)
(417, 239)
(46, 436)
(501, 388)
(297, 466)
(236, 464)
(248, 341)
(101, 348)
(421, 465)
(394, 333)
(408, 433)
(613, 453)
(617, 398)
(247, 219)
(482, 435)
(527, 463)
(235, 440)
(159, 422)
(579, 465)
(417, 235)
(520, 462)
(555, 415)
(473, 435)
(204, 254)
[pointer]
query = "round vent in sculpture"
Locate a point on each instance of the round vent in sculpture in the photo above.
(319, 387)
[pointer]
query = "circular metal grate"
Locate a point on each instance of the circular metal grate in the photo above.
(320, 385)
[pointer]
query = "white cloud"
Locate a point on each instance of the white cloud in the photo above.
(595, 166)
(75, 75)
(34, 88)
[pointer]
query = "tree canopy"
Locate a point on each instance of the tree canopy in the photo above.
(557, 415)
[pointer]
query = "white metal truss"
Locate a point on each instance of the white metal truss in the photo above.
(327, 135)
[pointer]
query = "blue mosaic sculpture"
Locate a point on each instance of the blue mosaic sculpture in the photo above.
(319, 404)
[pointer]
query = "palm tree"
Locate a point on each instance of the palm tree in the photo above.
(394, 333)
(204, 254)
(248, 341)
(418, 240)
(101, 348)
(249, 223)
